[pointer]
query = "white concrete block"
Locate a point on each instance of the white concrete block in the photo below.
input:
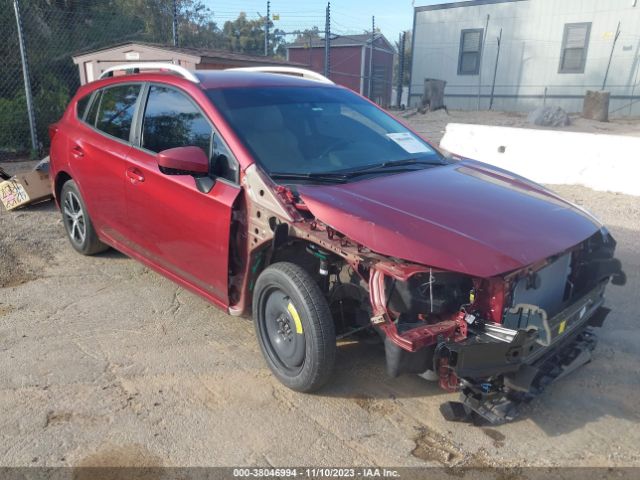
(601, 162)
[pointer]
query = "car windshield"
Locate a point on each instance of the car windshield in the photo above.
(319, 131)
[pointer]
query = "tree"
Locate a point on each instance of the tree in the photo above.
(309, 34)
(407, 60)
(244, 35)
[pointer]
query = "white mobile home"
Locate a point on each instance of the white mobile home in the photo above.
(551, 51)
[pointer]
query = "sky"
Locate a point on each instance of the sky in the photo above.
(347, 16)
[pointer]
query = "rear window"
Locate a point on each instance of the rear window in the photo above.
(116, 109)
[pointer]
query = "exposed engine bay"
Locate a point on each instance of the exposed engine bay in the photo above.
(509, 336)
(497, 340)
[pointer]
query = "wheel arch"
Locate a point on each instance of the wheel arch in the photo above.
(62, 177)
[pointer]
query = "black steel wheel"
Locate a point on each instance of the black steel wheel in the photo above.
(294, 327)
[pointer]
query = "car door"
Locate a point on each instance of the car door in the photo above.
(98, 151)
(178, 228)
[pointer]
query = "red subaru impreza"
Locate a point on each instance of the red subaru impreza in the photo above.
(308, 205)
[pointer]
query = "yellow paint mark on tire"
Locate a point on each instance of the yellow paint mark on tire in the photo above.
(562, 326)
(296, 317)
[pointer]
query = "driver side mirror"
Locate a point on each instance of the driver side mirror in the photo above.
(186, 160)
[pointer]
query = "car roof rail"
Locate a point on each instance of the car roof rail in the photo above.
(293, 71)
(183, 72)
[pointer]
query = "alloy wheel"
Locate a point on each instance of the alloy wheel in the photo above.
(74, 218)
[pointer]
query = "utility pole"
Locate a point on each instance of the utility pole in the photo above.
(27, 80)
(327, 42)
(175, 23)
(373, 38)
(266, 30)
(403, 39)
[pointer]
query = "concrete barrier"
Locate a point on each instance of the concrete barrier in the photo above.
(602, 162)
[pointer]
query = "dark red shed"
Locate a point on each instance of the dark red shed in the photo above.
(349, 62)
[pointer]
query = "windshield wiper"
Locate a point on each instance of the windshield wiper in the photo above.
(314, 177)
(394, 166)
(342, 176)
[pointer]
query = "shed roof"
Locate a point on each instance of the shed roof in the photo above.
(204, 54)
(342, 41)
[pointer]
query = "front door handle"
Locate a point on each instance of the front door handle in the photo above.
(135, 175)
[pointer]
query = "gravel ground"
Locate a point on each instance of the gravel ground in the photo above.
(107, 363)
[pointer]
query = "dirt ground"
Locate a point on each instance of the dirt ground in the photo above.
(104, 362)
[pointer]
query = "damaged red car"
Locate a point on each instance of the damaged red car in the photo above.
(306, 205)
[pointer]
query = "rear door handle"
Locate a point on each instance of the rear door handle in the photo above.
(135, 175)
(77, 151)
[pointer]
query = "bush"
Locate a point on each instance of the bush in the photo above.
(50, 102)
(14, 126)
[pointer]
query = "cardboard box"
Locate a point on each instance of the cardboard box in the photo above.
(24, 189)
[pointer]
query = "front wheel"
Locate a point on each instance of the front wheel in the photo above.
(294, 327)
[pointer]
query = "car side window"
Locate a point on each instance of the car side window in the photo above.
(223, 165)
(116, 109)
(172, 120)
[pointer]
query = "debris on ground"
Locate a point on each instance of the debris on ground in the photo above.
(4, 175)
(596, 106)
(549, 117)
(433, 97)
(26, 188)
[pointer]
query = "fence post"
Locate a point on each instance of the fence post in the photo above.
(266, 30)
(175, 23)
(403, 38)
(373, 39)
(27, 80)
(484, 42)
(613, 47)
(495, 71)
(327, 41)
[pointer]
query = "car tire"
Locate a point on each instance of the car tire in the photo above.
(80, 231)
(294, 327)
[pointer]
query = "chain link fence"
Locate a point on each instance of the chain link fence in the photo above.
(51, 35)
(14, 122)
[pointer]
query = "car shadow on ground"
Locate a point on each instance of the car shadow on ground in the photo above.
(361, 374)
(44, 206)
(113, 253)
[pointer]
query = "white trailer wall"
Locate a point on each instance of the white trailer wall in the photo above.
(530, 53)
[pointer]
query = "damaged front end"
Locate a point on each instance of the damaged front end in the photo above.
(497, 338)
(499, 341)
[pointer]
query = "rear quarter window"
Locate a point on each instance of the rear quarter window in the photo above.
(81, 106)
(90, 117)
(116, 109)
